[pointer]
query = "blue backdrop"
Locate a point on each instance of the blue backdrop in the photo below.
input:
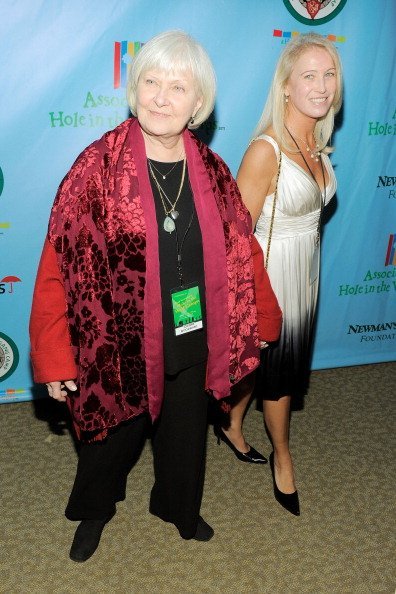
(64, 65)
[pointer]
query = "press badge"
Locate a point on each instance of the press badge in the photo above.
(187, 310)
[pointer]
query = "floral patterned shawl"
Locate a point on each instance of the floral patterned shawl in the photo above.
(104, 230)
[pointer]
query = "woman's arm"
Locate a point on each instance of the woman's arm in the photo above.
(51, 352)
(256, 176)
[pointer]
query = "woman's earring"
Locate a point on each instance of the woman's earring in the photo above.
(286, 98)
(191, 120)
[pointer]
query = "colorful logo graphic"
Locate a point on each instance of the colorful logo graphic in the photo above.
(11, 393)
(314, 12)
(9, 356)
(390, 259)
(287, 35)
(7, 284)
(124, 52)
(4, 226)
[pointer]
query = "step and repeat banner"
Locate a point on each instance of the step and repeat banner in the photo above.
(64, 66)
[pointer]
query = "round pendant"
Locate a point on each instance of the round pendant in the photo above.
(174, 214)
(169, 225)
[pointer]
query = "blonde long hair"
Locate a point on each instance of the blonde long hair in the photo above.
(275, 107)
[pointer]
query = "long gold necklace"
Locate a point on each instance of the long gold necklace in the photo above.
(171, 213)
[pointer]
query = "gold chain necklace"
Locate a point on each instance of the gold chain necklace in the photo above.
(171, 213)
(165, 175)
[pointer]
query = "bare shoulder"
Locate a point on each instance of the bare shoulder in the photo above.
(256, 175)
(260, 157)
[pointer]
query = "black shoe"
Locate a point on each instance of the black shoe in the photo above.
(252, 455)
(86, 539)
(204, 531)
(288, 500)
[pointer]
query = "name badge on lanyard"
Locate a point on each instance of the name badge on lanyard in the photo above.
(187, 310)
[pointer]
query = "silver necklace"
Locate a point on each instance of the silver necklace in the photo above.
(171, 213)
(313, 152)
(323, 194)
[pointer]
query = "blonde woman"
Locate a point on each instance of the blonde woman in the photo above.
(289, 152)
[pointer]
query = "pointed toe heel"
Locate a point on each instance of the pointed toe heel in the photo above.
(289, 501)
(252, 456)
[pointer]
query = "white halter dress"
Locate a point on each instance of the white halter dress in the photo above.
(285, 366)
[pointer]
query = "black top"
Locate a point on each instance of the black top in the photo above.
(187, 349)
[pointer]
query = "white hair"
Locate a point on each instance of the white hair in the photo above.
(176, 51)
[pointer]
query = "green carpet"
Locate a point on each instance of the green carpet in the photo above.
(343, 443)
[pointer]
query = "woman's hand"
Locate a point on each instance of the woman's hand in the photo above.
(57, 389)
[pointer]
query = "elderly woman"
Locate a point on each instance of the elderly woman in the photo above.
(149, 245)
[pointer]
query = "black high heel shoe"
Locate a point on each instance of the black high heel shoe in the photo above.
(287, 500)
(252, 456)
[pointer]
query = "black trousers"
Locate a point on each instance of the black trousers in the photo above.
(103, 469)
(179, 458)
(179, 450)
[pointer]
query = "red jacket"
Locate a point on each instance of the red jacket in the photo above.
(269, 314)
(107, 253)
(51, 352)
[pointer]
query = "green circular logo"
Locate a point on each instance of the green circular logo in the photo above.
(9, 356)
(1, 181)
(314, 12)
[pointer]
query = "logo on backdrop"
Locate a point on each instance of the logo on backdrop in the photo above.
(7, 284)
(9, 356)
(124, 52)
(383, 128)
(101, 118)
(2, 224)
(387, 181)
(382, 331)
(314, 12)
(390, 258)
(376, 282)
(286, 36)
(102, 111)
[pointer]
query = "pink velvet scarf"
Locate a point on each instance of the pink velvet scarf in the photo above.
(104, 230)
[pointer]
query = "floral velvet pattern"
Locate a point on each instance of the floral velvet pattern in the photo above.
(98, 229)
(241, 294)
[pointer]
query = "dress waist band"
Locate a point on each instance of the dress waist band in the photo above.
(287, 226)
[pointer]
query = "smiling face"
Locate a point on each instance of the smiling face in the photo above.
(165, 102)
(312, 84)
